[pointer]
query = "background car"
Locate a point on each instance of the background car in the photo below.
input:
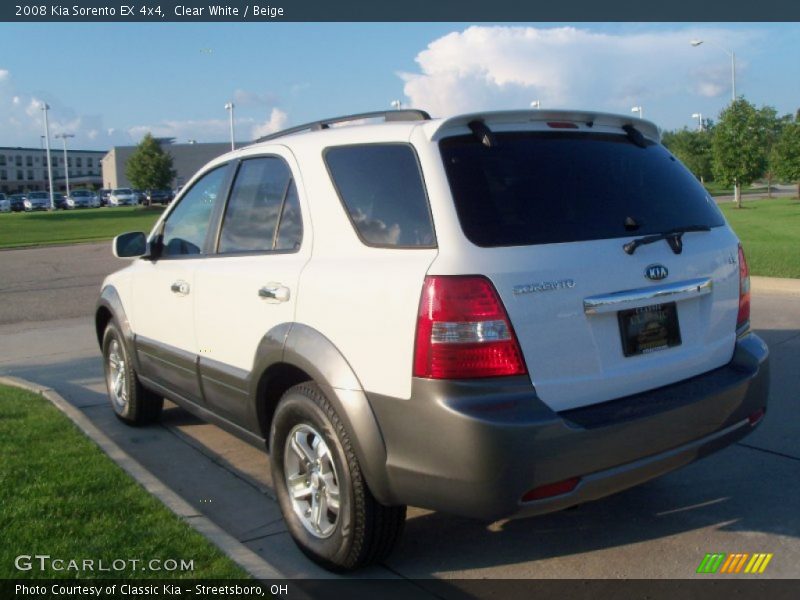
(81, 199)
(140, 196)
(5, 203)
(158, 197)
(103, 194)
(37, 201)
(122, 197)
(17, 202)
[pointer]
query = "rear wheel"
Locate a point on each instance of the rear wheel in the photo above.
(132, 403)
(327, 505)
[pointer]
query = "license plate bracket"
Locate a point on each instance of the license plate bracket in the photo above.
(649, 328)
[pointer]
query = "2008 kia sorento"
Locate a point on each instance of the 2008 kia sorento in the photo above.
(495, 314)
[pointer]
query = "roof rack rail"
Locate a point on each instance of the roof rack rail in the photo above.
(405, 114)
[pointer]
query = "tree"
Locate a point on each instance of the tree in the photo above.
(772, 125)
(738, 145)
(149, 167)
(693, 149)
(786, 154)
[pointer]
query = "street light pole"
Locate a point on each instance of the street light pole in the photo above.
(536, 104)
(638, 109)
(396, 104)
(699, 117)
(229, 107)
(46, 107)
(64, 137)
(732, 56)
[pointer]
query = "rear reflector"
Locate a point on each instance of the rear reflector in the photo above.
(756, 417)
(551, 489)
(743, 319)
(463, 331)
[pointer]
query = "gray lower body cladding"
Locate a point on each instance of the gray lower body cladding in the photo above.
(474, 448)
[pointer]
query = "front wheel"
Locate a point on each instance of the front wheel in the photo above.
(132, 403)
(328, 507)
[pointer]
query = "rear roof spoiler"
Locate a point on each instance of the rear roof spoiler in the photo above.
(437, 129)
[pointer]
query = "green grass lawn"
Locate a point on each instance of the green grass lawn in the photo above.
(66, 227)
(60, 495)
(770, 234)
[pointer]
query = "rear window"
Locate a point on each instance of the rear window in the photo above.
(381, 187)
(550, 187)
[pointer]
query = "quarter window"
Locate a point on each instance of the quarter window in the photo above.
(187, 225)
(382, 190)
(263, 213)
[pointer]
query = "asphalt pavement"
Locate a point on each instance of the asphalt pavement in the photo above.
(742, 499)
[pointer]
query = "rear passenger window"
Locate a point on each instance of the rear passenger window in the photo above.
(381, 187)
(263, 213)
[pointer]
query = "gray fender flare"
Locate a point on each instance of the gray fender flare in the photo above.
(309, 350)
(109, 299)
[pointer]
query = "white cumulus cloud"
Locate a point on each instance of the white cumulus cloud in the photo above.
(277, 121)
(210, 130)
(500, 67)
(4, 75)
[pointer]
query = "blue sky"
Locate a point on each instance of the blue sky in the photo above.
(109, 83)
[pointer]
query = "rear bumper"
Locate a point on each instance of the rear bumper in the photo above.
(474, 448)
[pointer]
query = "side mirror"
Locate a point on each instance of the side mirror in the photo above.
(130, 245)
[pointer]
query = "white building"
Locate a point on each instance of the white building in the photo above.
(25, 169)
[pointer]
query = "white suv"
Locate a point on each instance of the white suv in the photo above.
(494, 315)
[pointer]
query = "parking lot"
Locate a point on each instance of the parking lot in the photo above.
(743, 499)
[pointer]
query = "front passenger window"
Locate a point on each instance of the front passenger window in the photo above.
(187, 225)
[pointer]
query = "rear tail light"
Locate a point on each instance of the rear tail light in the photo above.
(743, 319)
(463, 331)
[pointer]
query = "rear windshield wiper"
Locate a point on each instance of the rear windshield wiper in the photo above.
(673, 237)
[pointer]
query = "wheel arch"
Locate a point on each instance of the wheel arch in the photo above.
(109, 307)
(307, 355)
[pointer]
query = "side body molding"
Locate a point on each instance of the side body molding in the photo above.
(309, 350)
(110, 301)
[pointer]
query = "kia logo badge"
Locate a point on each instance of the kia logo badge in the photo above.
(656, 272)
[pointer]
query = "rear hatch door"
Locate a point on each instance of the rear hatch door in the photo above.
(547, 214)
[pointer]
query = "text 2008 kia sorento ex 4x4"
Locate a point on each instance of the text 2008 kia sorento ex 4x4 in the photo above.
(493, 315)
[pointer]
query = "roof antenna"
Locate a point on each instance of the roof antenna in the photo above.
(482, 133)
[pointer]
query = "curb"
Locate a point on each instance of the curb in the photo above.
(248, 560)
(775, 284)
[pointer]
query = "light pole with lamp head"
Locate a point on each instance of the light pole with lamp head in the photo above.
(696, 43)
(64, 137)
(536, 104)
(396, 104)
(638, 109)
(699, 117)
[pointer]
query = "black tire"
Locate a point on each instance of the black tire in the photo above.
(138, 406)
(365, 531)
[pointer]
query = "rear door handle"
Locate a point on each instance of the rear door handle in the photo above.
(274, 291)
(180, 287)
